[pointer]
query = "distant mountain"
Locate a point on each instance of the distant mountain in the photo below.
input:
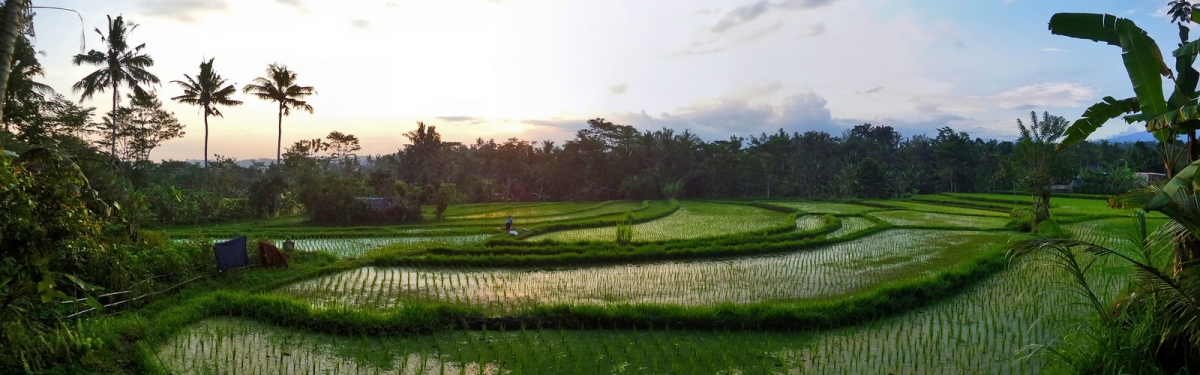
(1139, 136)
(246, 163)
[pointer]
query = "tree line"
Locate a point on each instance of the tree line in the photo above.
(603, 161)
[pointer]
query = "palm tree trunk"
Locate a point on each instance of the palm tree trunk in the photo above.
(279, 139)
(8, 44)
(116, 97)
(206, 139)
(1191, 146)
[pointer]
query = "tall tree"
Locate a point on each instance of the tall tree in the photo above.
(280, 86)
(424, 156)
(149, 125)
(9, 30)
(1180, 11)
(1035, 164)
(205, 91)
(119, 65)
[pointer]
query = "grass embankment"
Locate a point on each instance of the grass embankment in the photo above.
(693, 219)
(981, 330)
(130, 336)
(473, 219)
(829, 272)
(588, 253)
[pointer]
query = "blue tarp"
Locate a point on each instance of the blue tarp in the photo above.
(231, 254)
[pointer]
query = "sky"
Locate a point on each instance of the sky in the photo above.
(539, 69)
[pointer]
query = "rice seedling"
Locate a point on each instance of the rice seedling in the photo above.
(936, 220)
(501, 210)
(828, 272)
(986, 330)
(945, 209)
(826, 207)
(357, 247)
(989, 328)
(852, 224)
(809, 222)
(692, 220)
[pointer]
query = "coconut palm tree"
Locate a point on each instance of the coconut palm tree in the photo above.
(1166, 290)
(120, 65)
(9, 33)
(280, 86)
(205, 91)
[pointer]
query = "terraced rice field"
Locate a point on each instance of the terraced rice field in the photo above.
(501, 210)
(809, 222)
(828, 272)
(988, 328)
(692, 220)
(929, 219)
(927, 207)
(826, 207)
(356, 247)
(540, 214)
(852, 224)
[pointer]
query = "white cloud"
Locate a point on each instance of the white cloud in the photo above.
(750, 12)
(360, 24)
(1052, 49)
(764, 32)
(740, 15)
(183, 10)
(1057, 94)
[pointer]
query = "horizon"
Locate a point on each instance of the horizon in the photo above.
(539, 69)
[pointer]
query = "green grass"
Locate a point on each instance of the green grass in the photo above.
(825, 207)
(945, 209)
(987, 329)
(823, 273)
(692, 220)
(851, 225)
(936, 220)
(863, 296)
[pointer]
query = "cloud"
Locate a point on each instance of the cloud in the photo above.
(871, 91)
(183, 10)
(559, 124)
(360, 24)
(750, 12)
(457, 118)
(618, 89)
(697, 51)
(298, 4)
(1039, 96)
(740, 15)
(804, 4)
(815, 30)
(389, 5)
(740, 115)
(1042, 95)
(1052, 49)
(761, 33)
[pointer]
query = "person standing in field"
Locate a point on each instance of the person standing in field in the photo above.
(508, 224)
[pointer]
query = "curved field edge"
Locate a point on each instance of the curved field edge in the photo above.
(746, 218)
(552, 254)
(299, 227)
(289, 312)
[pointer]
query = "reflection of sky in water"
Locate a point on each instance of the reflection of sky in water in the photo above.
(810, 274)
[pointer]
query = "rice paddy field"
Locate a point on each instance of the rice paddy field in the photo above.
(904, 218)
(991, 317)
(829, 272)
(692, 220)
